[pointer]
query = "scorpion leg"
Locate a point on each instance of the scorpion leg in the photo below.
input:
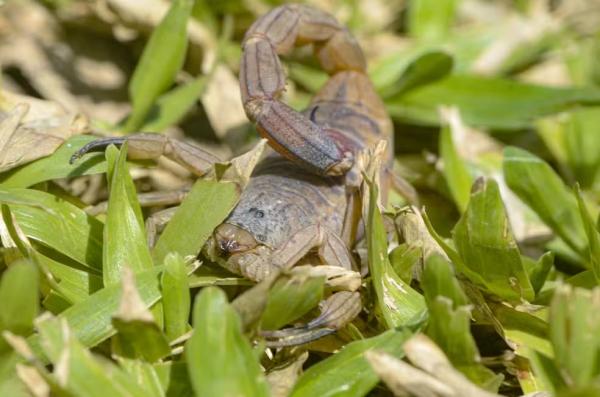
(320, 149)
(149, 146)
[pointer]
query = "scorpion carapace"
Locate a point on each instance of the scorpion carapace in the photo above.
(301, 204)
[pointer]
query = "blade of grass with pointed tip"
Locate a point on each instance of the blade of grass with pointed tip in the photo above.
(291, 298)
(160, 62)
(203, 209)
(536, 183)
(485, 242)
(57, 224)
(347, 373)
(455, 170)
(220, 359)
(593, 236)
(496, 103)
(124, 232)
(176, 296)
(56, 165)
(398, 302)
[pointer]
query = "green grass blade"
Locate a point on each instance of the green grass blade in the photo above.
(536, 183)
(160, 62)
(397, 301)
(347, 373)
(220, 359)
(56, 165)
(57, 224)
(124, 233)
(487, 102)
(485, 242)
(455, 170)
(291, 298)
(19, 297)
(176, 296)
(203, 209)
(439, 280)
(593, 236)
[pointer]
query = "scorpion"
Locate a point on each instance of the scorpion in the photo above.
(302, 201)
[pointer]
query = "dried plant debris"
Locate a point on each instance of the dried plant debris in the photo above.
(468, 262)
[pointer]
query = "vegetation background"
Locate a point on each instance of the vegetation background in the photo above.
(489, 285)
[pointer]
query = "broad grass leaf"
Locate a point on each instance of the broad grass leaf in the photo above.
(536, 183)
(575, 333)
(57, 224)
(347, 373)
(398, 303)
(19, 295)
(56, 165)
(290, 298)
(487, 102)
(220, 359)
(176, 296)
(488, 249)
(160, 62)
(91, 319)
(204, 208)
(124, 232)
(582, 145)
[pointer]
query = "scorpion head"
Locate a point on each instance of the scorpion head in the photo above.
(238, 251)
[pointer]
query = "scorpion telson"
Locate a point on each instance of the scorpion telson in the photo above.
(301, 203)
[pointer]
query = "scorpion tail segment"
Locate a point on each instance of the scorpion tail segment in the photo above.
(98, 145)
(150, 146)
(262, 80)
(337, 311)
(294, 136)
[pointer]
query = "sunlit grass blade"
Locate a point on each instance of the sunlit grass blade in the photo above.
(220, 359)
(56, 165)
(487, 102)
(398, 303)
(124, 232)
(486, 244)
(536, 183)
(347, 373)
(162, 58)
(203, 209)
(57, 224)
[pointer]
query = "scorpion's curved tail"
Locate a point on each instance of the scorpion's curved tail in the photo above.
(323, 148)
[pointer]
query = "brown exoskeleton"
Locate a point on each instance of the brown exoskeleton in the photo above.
(302, 198)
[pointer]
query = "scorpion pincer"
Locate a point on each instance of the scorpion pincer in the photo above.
(302, 203)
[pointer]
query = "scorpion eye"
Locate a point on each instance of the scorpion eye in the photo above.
(261, 237)
(259, 214)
